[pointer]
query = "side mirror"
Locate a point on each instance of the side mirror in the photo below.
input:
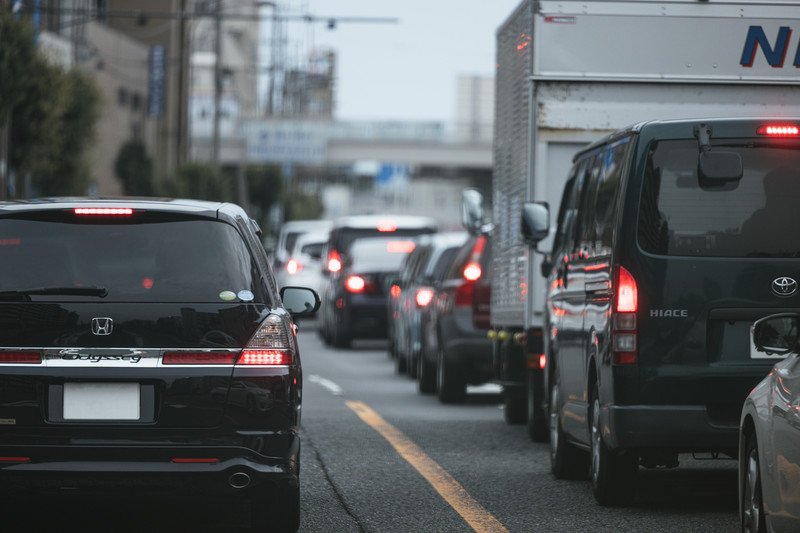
(472, 210)
(535, 222)
(300, 301)
(777, 334)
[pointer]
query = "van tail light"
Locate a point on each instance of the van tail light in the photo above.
(294, 267)
(271, 345)
(424, 297)
(464, 293)
(31, 357)
(626, 304)
(334, 262)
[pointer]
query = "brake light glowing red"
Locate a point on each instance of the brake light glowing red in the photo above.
(15, 459)
(293, 267)
(114, 211)
(472, 272)
(355, 284)
(27, 357)
(199, 358)
(395, 291)
(400, 247)
(334, 262)
(424, 297)
(627, 293)
(779, 130)
(265, 358)
(387, 226)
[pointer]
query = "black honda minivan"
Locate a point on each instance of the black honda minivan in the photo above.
(672, 238)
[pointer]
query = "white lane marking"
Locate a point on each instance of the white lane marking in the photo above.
(332, 387)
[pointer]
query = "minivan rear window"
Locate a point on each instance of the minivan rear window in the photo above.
(144, 259)
(757, 216)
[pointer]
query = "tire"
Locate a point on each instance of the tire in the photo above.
(426, 376)
(536, 417)
(566, 461)
(613, 474)
(276, 509)
(450, 383)
(400, 364)
(752, 504)
(412, 366)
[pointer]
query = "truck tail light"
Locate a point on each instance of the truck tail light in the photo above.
(626, 305)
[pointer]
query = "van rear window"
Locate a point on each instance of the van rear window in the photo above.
(144, 259)
(758, 216)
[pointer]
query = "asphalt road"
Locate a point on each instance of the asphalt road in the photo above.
(379, 457)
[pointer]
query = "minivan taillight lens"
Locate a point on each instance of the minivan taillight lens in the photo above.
(199, 358)
(293, 266)
(272, 344)
(334, 262)
(21, 357)
(625, 340)
(424, 297)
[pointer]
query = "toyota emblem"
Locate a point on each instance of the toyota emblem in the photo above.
(784, 286)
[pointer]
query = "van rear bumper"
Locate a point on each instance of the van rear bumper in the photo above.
(677, 427)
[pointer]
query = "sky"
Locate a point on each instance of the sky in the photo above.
(405, 70)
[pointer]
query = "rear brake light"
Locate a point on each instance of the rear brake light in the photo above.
(395, 291)
(113, 211)
(21, 357)
(627, 293)
(265, 357)
(387, 226)
(424, 297)
(400, 247)
(15, 459)
(199, 358)
(293, 266)
(355, 284)
(779, 130)
(334, 262)
(472, 272)
(464, 292)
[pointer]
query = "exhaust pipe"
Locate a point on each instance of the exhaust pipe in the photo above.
(239, 480)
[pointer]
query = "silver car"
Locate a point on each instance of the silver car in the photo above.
(769, 436)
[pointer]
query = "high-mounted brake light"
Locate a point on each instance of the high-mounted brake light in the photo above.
(24, 357)
(387, 226)
(779, 130)
(400, 247)
(113, 211)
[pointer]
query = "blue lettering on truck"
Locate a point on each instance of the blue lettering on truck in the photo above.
(775, 56)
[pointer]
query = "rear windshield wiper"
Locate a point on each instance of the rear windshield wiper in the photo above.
(100, 292)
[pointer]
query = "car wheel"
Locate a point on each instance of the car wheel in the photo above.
(451, 385)
(566, 461)
(536, 419)
(613, 474)
(426, 376)
(276, 509)
(752, 501)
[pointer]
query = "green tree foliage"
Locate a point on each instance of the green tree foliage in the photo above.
(199, 181)
(53, 113)
(134, 168)
(17, 53)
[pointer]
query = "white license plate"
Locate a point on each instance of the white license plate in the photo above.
(101, 401)
(756, 354)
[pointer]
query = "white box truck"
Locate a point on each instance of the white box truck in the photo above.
(570, 72)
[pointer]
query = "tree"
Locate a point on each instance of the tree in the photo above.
(135, 169)
(199, 181)
(17, 53)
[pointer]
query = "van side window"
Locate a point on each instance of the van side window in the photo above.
(568, 211)
(613, 161)
(587, 230)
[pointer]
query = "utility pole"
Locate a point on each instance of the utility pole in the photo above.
(217, 81)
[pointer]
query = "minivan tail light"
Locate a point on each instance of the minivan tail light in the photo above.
(199, 358)
(424, 297)
(334, 262)
(625, 349)
(23, 357)
(293, 266)
(627, 292)
(273, 344)
(355, 284)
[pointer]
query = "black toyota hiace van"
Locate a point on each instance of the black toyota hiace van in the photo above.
(672, 238)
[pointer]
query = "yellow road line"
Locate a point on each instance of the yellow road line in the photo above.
(458, 498)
